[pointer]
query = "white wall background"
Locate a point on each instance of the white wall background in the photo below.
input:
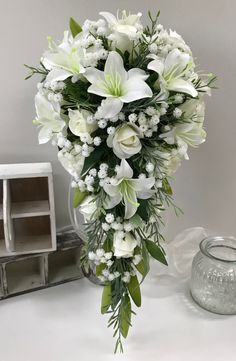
(204, 186)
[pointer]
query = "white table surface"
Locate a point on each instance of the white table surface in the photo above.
(63, 324)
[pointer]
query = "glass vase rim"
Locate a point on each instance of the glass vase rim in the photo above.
(207, 241)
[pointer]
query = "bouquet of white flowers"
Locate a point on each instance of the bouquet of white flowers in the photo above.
(122, 102)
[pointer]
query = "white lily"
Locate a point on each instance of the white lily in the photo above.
(123, 30)
(63, 60)
(191, 132)
(48, 117)
(172, 72)
(124, 188)
(127, 24)
(117, 85)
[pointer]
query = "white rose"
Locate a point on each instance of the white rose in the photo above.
(125, 141)
(78, 122)
(88, 207)
(124, 247)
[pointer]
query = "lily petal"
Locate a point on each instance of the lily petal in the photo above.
(176, 59)
(145, 194)
(182, 86)
(110, 18)
(93, 75)
(131, 204)
(111, 190)
(58, 74)
(111, 202)
(156, 65)
(136, 89)
(115, 65)
(110, 107)
(137, 73)
(142, 185)
(124, 170)
(44, 108)
(44, 135)
(96, 88)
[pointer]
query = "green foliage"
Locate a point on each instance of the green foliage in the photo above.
(136, 220)
(106, 298)
(78, 197)
(146, 260)
(100, 268)
(141, 267)
(166, 187)
(94, 158)
(142, 209)
(125, 316)
(75, 28)
(41, 70)
(134, 290)
(156, 252)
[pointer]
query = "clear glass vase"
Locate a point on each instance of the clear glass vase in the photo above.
(213, 279)
(77, 222)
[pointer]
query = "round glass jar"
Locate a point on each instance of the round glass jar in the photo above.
(213, 279)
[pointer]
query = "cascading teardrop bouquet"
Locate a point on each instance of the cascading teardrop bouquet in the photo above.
(123, 103)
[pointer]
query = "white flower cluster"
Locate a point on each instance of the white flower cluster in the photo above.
(101, 257)
(105, 258)
(166, 41)
(117, 225)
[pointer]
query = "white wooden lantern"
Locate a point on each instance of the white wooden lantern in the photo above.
(27, 212)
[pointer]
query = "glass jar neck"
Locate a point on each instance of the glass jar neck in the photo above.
(219, 248)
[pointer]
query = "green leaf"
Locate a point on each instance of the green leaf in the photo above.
(106, 298)
(136, 220)
(93, 159)
(134, 290)
(146, 265)
(166, 186)
(100, 268)
(142, 210)
(141, 268)
(75, 28)
(125, 315)
(78, 197)
(156, 252)
(108, 243)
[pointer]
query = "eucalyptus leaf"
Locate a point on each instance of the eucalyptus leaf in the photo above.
(75, 28)
(106, 298)
(125, 316)
(134, 290)
(156, 252)
(78, 197)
